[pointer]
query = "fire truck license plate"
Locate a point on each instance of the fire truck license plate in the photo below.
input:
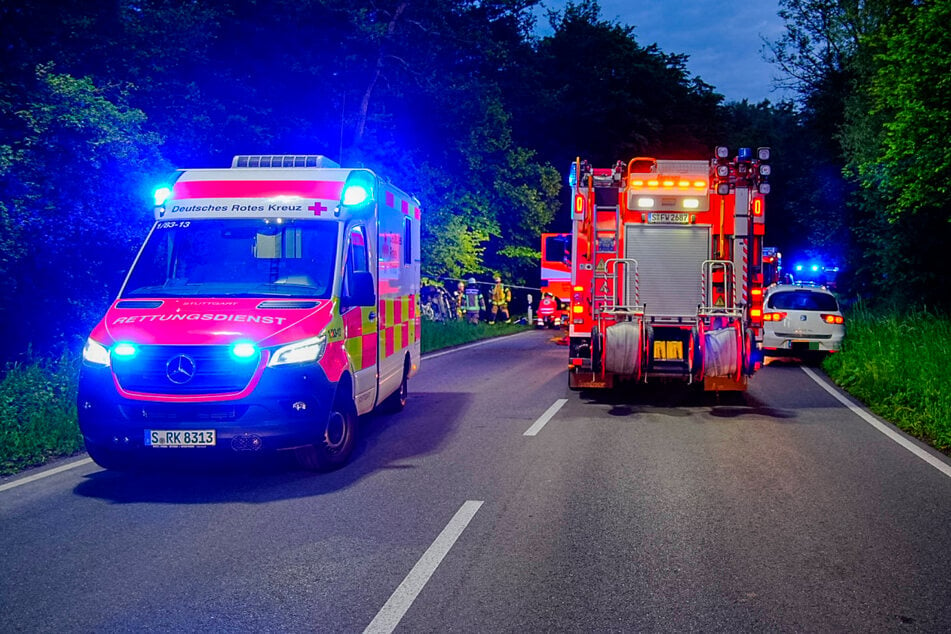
(668, 218)
(179, 438)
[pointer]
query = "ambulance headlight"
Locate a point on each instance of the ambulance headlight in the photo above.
(304, 351)
(94, 353)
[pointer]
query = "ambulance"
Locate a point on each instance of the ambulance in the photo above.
(272, 303)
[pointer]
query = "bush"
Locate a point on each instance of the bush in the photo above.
(897, 363)
(38, 413)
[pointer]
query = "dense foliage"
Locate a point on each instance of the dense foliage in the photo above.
(460, 102)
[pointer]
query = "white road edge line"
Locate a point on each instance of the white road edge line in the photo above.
(898, 437)
(402, 598)
(45, 474)
(547, 416)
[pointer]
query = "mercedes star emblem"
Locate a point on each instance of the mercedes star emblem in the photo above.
(180, 369)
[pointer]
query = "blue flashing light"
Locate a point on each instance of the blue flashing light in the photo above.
(799, 267)
(572, 175)
(359, 189)
(124, 350)
(745, 154)
(815, 268)
(355, 195)
(162, 194)
(244, 350)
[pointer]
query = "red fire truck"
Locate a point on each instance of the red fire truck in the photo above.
(667, 280)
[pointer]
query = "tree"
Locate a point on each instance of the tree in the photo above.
(74, 195)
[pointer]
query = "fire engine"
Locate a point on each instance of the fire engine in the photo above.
(271, 304)
(555, 280)
(666, 270)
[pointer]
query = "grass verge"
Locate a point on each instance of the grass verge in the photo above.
(38, 413)
(898, 364)
(447, 334)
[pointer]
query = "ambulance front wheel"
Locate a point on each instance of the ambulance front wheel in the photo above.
(335, 439)
(107, 458)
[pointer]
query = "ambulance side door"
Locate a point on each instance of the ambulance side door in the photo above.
(360, 316)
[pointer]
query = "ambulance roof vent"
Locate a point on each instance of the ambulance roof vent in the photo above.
(283, 160)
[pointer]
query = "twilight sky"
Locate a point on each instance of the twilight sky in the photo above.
(723, 39)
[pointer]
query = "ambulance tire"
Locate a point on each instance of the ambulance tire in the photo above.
(335, 440)
(396, 401)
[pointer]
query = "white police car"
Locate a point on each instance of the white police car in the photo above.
(801, 320)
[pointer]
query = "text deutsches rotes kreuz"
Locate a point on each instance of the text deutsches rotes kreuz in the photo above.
(270, 208)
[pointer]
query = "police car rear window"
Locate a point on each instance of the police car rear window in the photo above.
(803, 300)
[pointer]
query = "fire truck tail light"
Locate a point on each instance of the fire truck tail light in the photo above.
(700, 184)
(723, 152)
(762, 153)
(579, 204)
(758, 207)
(723, 189)
(668, 183)
(645, 202)
(637, 183)
(723, 171)
(764, 188)
(691, 203)
(756, 313)
(756, 292)
(833, 319)
(653, 183)
(774, 316)
(577, 309)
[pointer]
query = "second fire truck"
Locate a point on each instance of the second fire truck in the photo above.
(666, 272)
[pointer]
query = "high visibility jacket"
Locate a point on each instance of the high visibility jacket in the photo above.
(501, 295)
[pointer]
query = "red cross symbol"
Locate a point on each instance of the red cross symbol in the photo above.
(317, 208)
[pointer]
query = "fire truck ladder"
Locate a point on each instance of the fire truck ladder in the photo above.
(717, 298)
(608, 284)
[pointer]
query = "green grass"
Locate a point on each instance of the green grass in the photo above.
(38, 413)
(439, 335)
(898, 365)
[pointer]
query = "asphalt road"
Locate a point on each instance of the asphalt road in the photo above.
(501, 501)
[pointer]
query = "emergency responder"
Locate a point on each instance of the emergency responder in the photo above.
(500, 298)
(474, 301)
(546, 311)
(459, 299)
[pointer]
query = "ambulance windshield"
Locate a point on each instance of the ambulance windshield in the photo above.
(236, 258)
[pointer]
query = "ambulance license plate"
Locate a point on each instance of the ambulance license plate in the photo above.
(179, 437)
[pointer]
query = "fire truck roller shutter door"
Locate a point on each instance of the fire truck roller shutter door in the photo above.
(622, 348)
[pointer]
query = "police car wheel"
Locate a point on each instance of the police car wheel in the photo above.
(335, 440)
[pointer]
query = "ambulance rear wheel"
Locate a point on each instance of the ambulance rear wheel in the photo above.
(335, 439)
(396, 401)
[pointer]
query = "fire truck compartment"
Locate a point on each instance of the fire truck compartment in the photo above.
(669, 260)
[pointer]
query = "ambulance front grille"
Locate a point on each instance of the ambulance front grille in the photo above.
(183, 370)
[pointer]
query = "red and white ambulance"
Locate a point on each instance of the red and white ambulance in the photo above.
(271, 305)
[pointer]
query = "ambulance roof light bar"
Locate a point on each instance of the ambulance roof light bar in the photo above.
(282, 160)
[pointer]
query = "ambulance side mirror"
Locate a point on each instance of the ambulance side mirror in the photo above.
(361, 291)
